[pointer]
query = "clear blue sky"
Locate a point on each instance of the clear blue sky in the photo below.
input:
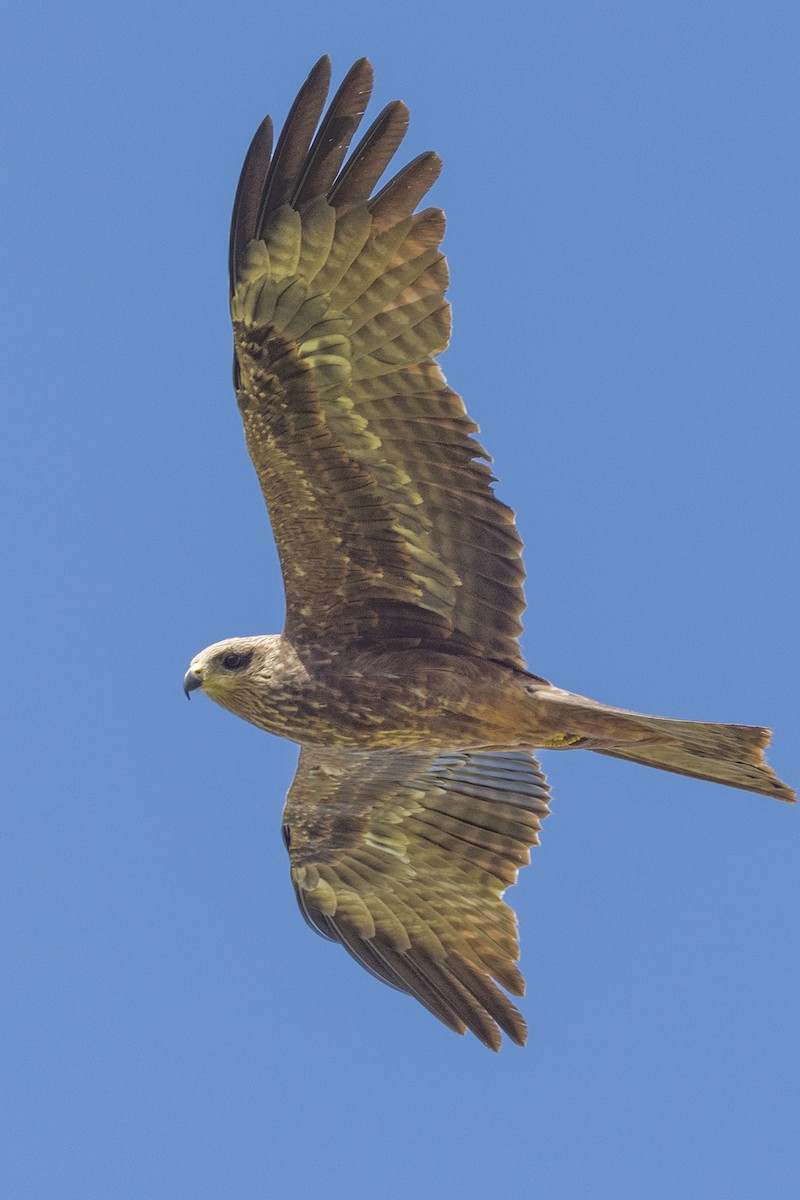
(621, 185)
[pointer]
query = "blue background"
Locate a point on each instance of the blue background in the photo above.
(621, 185)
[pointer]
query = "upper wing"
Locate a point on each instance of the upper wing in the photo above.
(404, 858)
(384, 515)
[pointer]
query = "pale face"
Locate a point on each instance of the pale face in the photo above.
(257, 678)
(229, 666)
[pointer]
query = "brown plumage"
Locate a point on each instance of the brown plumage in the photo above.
(399, 672)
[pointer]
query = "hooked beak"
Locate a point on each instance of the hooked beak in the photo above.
(192, 680)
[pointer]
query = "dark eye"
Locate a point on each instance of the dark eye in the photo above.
(233, 661)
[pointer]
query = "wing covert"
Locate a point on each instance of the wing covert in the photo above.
(379, 495)
(404, 858)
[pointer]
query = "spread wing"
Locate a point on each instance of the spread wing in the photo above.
(404, 858)
(381, 503)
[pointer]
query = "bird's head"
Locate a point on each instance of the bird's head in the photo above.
(235, 671)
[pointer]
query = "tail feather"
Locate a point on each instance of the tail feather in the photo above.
(730, 754)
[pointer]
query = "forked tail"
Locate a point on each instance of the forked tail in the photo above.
(730, 754)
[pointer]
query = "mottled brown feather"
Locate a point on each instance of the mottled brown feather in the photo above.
(404, 858)
(384, 515)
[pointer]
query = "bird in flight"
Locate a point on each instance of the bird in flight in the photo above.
(417, 795)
